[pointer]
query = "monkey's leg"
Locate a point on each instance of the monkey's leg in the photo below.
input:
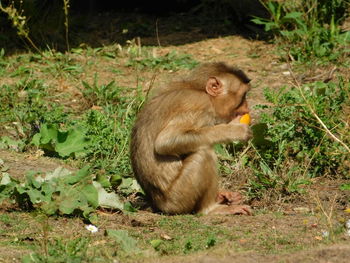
(214, 201)
(195, 188)
(195, 185)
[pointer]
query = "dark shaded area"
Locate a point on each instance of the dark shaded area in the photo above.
(97, 23)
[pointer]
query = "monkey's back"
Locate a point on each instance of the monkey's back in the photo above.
(155, 172)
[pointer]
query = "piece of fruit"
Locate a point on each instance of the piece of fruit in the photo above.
(245, 119)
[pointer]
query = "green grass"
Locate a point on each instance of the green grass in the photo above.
(41, 239)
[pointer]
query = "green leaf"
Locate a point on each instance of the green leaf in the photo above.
(5, 179)
(293, 15)
(103, 180)
(48, 133)
(59, 172)
(115, 180)
(127, 243)
(108, 200)
(36, 139)
(74, 141)
(259, 133)
(31, 181)
(78, 176)
(51, 139)
(7, 186)
(50, 208)
(91, 195)
(70, 202)
(220, 149)
(130, 185)
(128, 207)
(155, 243)
(34, 196)
(87, 212)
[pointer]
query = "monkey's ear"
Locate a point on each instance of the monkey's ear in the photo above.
(214, 87)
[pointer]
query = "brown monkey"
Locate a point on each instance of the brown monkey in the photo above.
(172, 141)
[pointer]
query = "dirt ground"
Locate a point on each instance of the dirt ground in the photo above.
(258, 59)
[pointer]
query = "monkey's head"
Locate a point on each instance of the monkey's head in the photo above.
(227, 91)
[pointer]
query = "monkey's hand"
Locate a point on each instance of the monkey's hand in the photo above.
(240, 132)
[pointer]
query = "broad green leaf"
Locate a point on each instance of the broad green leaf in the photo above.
(108, 200)
(50, 208)
(47, 189)
(36, 139)
(31, 181)
(5, 179)
(74, 142)
(127, 243)
(87, 210)
(48, 133)
(7, 186)
(78, 176)
(259, 133)
(91, 195)
(59, 172)
(21, 189)
(35, 196)
(69, 203)
(130, 185)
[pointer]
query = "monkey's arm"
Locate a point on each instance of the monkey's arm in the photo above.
(177, 139)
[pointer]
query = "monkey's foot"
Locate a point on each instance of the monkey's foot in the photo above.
(229, 198)
(232, 210)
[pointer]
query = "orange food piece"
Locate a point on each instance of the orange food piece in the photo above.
(245, 119)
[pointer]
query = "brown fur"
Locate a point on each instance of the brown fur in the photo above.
(172, 141)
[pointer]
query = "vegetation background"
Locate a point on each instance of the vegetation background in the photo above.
(75, 73)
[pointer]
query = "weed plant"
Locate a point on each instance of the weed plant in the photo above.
(308, 29)
(290, 146)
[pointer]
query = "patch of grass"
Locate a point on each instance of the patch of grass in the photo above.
(109, 126)
(25, 105)
(189, 235)
(61, 251)
(290, 146)
(171, 61)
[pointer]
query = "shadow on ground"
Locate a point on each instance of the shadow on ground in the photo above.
(103, 23)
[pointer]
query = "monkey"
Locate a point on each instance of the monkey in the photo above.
(173, 137)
